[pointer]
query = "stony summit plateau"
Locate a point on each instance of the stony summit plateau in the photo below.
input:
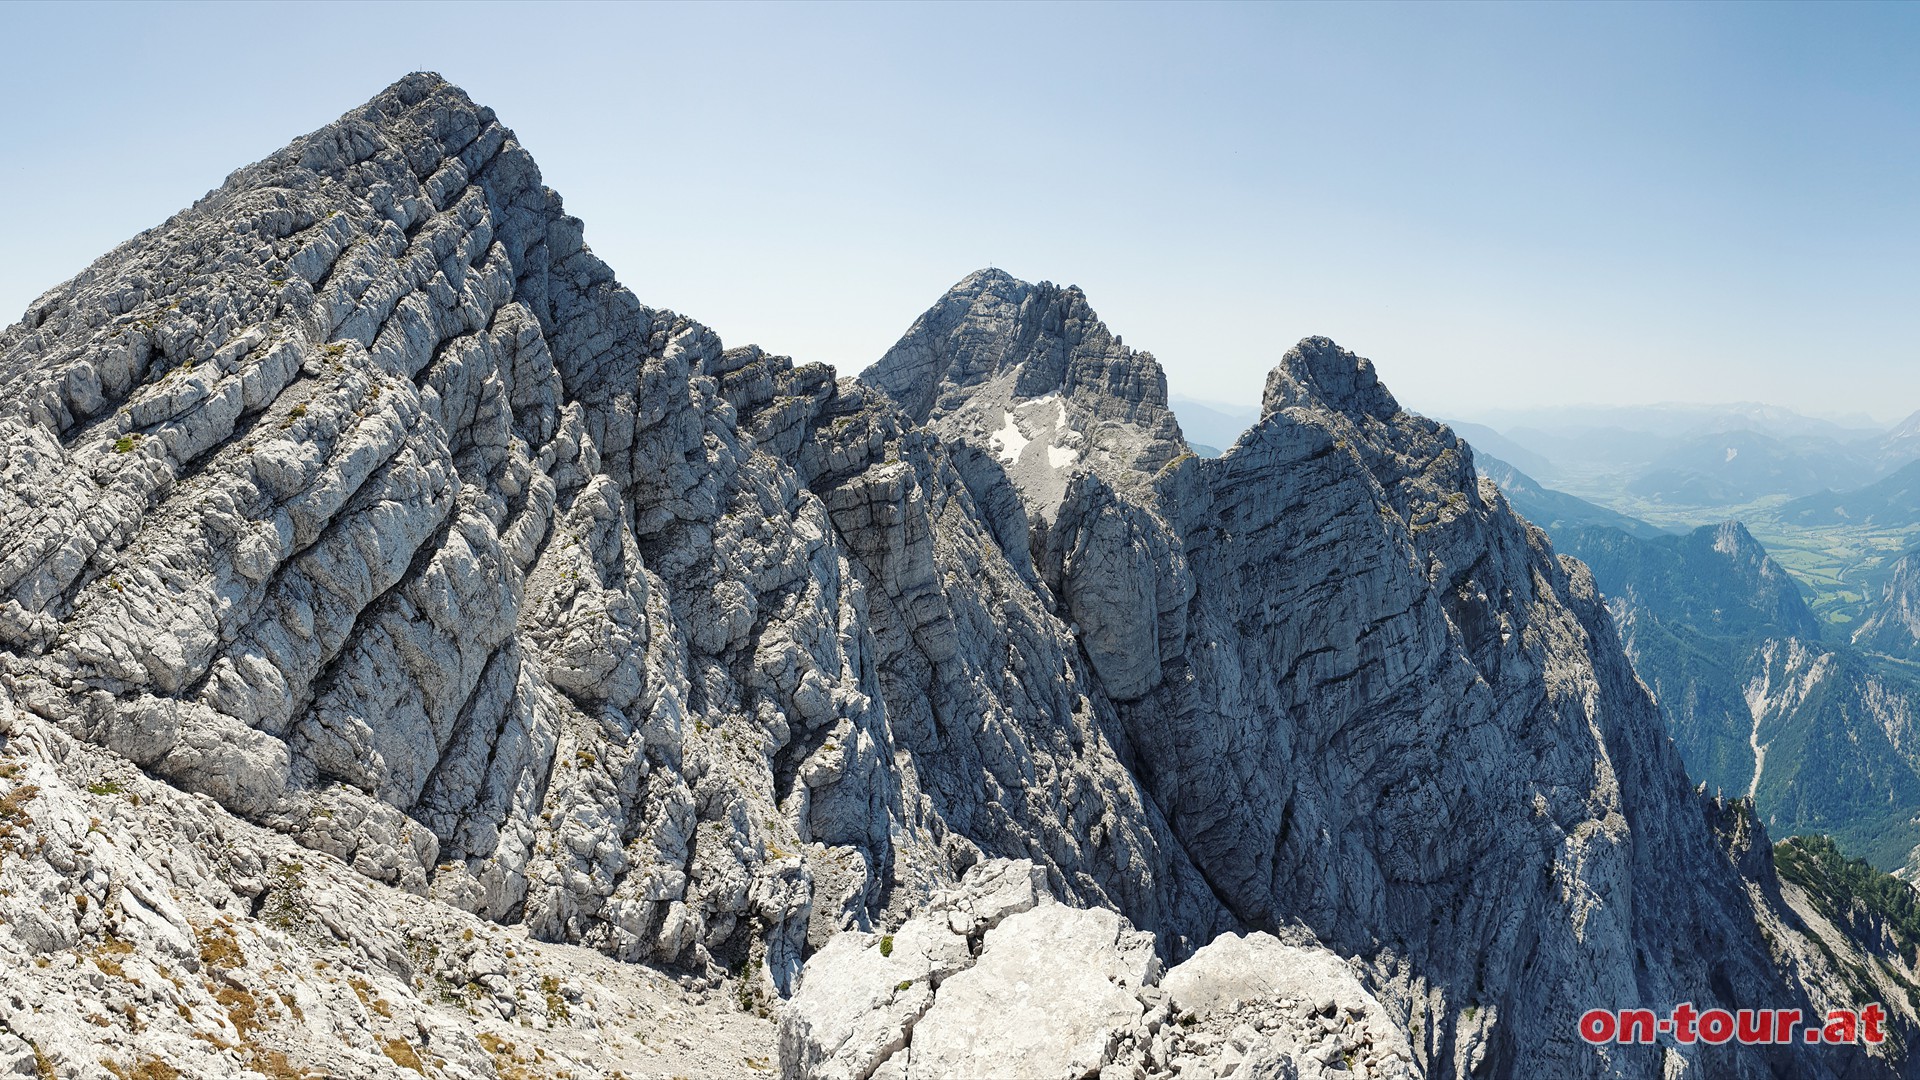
(418, 656)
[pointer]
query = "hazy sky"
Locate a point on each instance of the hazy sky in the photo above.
(1502, 205)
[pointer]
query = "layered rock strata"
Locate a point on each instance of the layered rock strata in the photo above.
(1380, 706)
(361, 498)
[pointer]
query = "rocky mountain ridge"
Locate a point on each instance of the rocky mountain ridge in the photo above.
(362, 501)
(1893, 500)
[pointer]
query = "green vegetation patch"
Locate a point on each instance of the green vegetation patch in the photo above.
(1845, 889)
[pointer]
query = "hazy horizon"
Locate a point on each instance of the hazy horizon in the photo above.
(1503, 206)
(1857, 417)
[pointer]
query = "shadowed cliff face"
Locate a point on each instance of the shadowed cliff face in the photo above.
(361, 498)
(1377, 703)
(1892, 625)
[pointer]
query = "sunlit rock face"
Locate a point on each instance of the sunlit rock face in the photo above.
(361, 499)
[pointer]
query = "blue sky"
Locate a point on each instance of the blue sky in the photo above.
(1503, 205)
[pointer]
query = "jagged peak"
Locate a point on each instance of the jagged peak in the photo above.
(406, 92)
(989, 278)
(416, 86)
(1732, 538)
(1906, 429)
(507, 542)
(452, 117)
(1048, 336)
(1029, 374)
(993, 281)
(1319, 372)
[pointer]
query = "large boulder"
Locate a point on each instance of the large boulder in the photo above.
(1264, 1008)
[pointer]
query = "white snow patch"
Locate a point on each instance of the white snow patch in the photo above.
(1060, 456)
(1008, 442)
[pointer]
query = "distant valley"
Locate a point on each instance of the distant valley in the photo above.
(1764, 570)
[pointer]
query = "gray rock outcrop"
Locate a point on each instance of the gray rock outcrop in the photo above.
(145, 932)
(995, 978)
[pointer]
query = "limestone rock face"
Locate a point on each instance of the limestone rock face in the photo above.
(358, 512)
(1030, 374)
(361, 498)
(1027, 377)
(144, 929)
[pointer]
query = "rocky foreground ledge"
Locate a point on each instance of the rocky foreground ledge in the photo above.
(996, 978)
(145, 932)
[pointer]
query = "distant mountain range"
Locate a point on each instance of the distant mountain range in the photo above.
(1891, 501)
(1733, 467)
(1695, 455)
(1211, 425)
(1489, 445)
(1682, 420)
(1555, 511)
(1759, 703)
(1892, 625)
(1908, 429)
